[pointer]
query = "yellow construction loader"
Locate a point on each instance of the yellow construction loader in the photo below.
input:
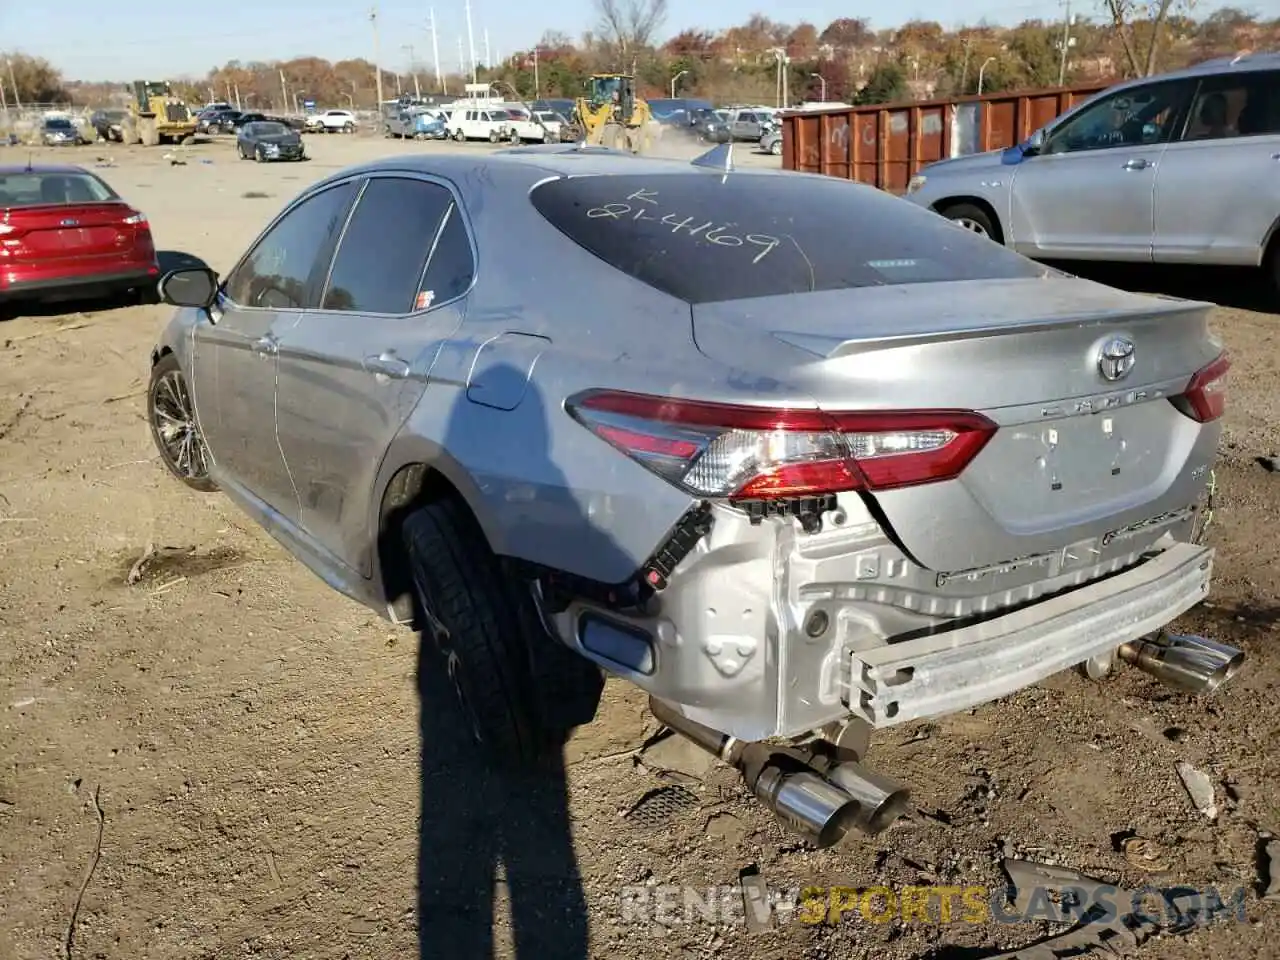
(611, 115)
(156, 116)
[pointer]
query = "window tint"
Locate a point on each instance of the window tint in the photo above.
(451, 268)
(704, 237)
(1244, 105)
(1140, 116)
(381, 259)
(276, 273)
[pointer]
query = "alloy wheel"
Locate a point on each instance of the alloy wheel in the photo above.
(972, 226)
(174, 421)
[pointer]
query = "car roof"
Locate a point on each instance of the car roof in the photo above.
(1240, 63)
(5, 170)
(566, 160)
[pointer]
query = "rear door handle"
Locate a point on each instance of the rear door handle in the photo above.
(1138, 164)
(386, 365)
(267, 346)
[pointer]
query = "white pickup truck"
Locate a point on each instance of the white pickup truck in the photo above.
(332, 121)
(529, 129)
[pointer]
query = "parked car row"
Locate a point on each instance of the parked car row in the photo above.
(220, 118)
(507, 123)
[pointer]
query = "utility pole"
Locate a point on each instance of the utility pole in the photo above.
(284, 93)
(471, 42)
(435, 49)
(413, 68)
(377, 65)
(462, 58)
(536, 88)
(488, 56)
(13, 85)
(1066, 42)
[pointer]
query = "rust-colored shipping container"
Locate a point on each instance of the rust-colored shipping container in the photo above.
(886, 144)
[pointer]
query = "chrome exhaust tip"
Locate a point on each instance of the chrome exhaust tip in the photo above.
(815, 796)
(1183, 660)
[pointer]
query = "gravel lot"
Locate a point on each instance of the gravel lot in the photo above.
(278, 779)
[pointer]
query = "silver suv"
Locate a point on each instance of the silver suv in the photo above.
(1180, 168)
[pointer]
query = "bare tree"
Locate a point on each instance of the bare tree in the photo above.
(1140, 24)
(630, 24)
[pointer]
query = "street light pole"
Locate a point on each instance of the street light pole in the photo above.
(377, 64)
(823, 81)
(982, 71)
(673, 82)
(413, 69)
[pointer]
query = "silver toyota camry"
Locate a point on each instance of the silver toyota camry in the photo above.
(796, 457)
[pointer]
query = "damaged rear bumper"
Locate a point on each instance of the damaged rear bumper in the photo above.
(946, 672)
(762, 631)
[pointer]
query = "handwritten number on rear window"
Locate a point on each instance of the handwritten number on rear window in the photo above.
(640, 208)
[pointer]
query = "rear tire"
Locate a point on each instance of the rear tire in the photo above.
(973, 219)
(520, 690)
(775, 148)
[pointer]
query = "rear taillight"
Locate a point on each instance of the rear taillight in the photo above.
(135, 218)
(747, 453)
(1205, 398)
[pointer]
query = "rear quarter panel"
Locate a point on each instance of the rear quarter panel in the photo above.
(544, 488)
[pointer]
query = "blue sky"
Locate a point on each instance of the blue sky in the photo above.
(90, 39)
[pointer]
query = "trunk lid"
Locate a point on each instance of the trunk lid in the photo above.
(71, 231)
(1076, 456)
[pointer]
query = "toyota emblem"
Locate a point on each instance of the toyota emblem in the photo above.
(1116, 358)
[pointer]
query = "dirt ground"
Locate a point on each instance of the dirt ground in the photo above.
(272, 784)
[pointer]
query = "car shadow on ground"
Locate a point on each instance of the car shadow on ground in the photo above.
(1235, 287)
(492, 831)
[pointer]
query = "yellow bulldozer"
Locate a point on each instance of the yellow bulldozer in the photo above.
(156, 116)
(611, 115)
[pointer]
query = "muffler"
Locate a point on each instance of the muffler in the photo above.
(806, 788)
(1183, 660)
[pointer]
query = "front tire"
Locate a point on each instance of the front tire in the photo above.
(348, 127)
(520, 690)
(972, 218)
(174, 430)
(775, 148)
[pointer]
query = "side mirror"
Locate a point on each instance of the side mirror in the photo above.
(189, 287)
(1035, 143)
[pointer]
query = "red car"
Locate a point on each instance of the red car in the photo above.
(65, 234)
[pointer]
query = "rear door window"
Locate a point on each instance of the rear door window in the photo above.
(383, 252)
(703, 237)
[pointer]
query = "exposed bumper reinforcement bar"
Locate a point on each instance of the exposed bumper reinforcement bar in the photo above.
(952, 671)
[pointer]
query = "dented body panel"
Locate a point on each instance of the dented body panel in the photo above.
(1068, 533)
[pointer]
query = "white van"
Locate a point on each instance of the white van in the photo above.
(481, 123)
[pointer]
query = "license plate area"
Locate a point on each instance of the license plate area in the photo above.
(1092, 464)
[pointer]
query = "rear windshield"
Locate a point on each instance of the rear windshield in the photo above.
(33, 189)
(706, 238)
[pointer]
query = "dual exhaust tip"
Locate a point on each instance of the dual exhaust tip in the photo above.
(809, 790)
(1183, 661)
(823, 798)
